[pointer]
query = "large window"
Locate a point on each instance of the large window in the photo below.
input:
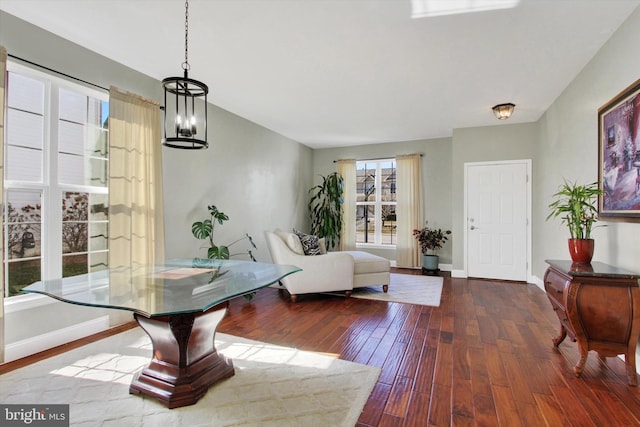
(376, 202)
(56, 188)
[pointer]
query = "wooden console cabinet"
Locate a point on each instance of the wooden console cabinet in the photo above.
(598, 306)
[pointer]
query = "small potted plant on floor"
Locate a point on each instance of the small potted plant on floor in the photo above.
(576, 206)
(431, 241)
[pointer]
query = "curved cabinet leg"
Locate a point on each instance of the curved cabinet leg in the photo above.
(577, 370)
(561, 336)
(630, 364)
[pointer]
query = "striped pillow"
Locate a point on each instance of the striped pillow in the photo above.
(310, 243)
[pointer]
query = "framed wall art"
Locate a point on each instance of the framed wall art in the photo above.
(619, 156)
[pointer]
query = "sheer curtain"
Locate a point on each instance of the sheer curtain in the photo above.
(409, 209)
(3, 73)
(136, 233)
(347, 169)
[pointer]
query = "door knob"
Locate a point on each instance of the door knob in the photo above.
(472, 227)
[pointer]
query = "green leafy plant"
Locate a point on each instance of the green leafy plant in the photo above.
(431, 239)
(204, 229)
(325, 207)
(576, 206)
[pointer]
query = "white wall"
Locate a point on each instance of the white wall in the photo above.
(568, 147)
(258, 178)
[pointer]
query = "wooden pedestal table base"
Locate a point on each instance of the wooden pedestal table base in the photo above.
(185, 361)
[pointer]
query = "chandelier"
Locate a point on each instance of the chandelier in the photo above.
(185, 105)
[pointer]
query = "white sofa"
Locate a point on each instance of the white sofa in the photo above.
(328, 272)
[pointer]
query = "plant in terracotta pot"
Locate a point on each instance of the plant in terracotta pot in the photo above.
(575, 204)
(431, 241)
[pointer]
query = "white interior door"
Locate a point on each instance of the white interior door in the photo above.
(496, 221)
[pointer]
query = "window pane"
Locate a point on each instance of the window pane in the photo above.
(73, 106)
(98, 170)
(365, 224)
(388, 225)
(97, 142)
(71, 169)
(23, 273)
(99, 207)
(75, 229)
(365, 181)
(75, 206)
(388, 182)
(98, 113)
(24, 240)
(99, 261)
(72, 265)
(71, 138)
(24, 218)
(25, 93)
(99, 236)
(24, 164)
(74, 237)
(25, 129)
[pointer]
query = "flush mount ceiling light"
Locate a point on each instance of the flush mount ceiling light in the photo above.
(185, 105)
(503, 111)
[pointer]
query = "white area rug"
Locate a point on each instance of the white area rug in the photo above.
(406, 288)
(273, 386)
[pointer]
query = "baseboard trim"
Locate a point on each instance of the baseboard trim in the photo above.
(460, 274)
(33, 345)
(537, 281)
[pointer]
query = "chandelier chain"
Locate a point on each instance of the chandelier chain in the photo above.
(185, 64)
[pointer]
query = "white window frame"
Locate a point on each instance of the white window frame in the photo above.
(377, 203)
(51, 189)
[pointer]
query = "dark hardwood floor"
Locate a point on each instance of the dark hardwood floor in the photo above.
(484, 357)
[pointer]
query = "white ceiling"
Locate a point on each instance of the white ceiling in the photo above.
(331, 73)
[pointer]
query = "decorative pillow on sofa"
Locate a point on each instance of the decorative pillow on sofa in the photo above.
(310, 243)
(292, 241)
(323, 246)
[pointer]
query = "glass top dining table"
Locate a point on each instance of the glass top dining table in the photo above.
(179, 304)
(174, 287)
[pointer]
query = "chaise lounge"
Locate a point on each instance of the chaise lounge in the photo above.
(327, 272)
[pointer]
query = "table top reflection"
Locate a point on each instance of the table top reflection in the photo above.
(174, 287)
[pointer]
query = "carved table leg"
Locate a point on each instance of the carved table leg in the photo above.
(561, 336)
(185, 361)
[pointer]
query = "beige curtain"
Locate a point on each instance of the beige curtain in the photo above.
(3, 71)
(136, 221)
(409, 209)
(347, 169)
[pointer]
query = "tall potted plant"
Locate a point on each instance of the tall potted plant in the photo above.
(576, 206)
(431, 241)
(325, 207)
